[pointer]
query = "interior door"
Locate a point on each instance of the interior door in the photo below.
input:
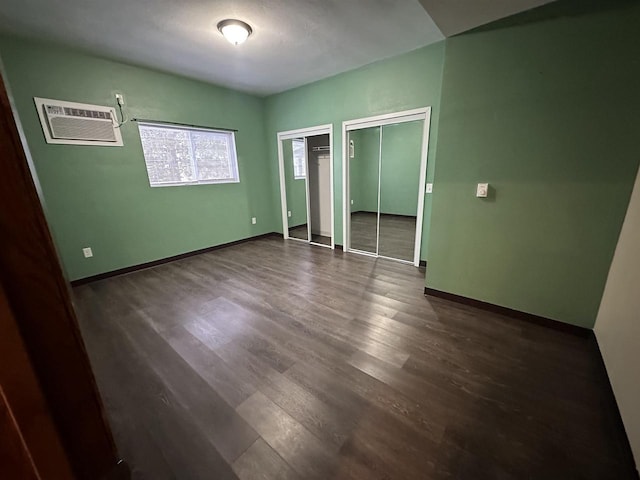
(400, 159)
(364, 179)
(385, 171)
(35, 288)
(30, 447)
(295, 171)
(319, 180)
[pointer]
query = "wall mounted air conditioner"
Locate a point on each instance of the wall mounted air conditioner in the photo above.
(78, 123)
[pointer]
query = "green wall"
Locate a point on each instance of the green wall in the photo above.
(400, 168)
(403, 82)
(400, 175)
(364, 167)
(296, 189)
(544, 106)
(100, 197)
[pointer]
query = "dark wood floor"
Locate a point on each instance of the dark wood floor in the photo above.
(321, 239)
(302, 232)
(397, 234)
(277, 360)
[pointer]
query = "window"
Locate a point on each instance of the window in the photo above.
(188, 156)
(299, 167)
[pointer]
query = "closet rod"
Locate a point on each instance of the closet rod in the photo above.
(163, 122)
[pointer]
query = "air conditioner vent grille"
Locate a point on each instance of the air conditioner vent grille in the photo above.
(74, 128)
(78, 123)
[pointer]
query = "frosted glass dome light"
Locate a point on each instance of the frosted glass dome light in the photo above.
(235, 31)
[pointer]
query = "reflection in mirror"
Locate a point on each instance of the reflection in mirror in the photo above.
(363, 188)
(399, 189)
(295, 172)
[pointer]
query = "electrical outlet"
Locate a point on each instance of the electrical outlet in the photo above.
(351, 202)
(87, 252)
(429, 188)
(289, 214)
(253, 220)
(483, 190)
(120, 99)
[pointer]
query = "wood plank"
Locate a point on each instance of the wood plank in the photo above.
(330, 425)
(153, 426)
(339, 367)
(294, 443)
(261, 462)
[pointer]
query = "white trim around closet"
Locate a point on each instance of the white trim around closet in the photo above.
(305, 132)
(378, 121)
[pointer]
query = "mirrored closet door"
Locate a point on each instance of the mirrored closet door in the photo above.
(399, 189)
(306, 184)
(296, 186)
(364, 174)
(385, 167)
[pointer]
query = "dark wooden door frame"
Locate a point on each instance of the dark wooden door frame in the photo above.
(38, 296)
(30, 446)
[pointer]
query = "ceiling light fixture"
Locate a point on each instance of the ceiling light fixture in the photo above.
(235, 31)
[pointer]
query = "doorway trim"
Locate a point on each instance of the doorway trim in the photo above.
(306, 132)
(423, 113)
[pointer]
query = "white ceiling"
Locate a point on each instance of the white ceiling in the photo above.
(294, 42)
(456, 16)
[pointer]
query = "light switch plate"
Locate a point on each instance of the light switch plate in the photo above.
(429, 188)
(483, 190)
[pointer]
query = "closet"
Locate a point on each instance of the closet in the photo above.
(385, 169)
(306, 179)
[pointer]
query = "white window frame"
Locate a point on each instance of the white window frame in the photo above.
(233, 155)
(304, 160)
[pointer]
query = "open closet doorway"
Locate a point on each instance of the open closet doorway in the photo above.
(305, 160)
(385, 165)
